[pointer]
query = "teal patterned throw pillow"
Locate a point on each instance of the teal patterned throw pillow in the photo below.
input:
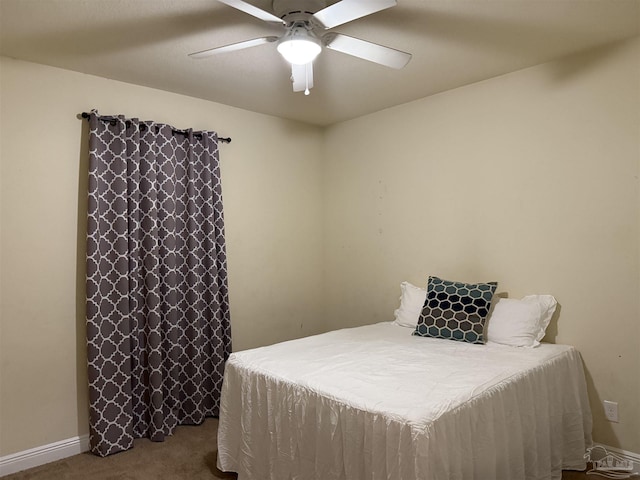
(455, 310)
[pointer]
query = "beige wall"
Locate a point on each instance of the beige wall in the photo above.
(272, 196)
(530, 179)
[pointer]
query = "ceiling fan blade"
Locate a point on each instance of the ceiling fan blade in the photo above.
(233, 47)
(348, 10)
(389, 57)
(253, 10)
(302, 77)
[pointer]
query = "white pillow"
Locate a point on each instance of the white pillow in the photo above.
(411, 303)
(520, 323)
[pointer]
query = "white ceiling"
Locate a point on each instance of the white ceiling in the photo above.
(453, 43)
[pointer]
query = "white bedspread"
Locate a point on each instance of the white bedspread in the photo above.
(376, 403)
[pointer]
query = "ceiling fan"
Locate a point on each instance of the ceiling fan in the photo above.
(304, 23)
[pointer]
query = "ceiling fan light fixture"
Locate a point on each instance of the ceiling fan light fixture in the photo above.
(299, 46)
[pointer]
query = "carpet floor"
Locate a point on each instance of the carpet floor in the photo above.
(189, 454)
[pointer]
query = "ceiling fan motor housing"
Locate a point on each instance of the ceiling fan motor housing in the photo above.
(300, 44)
(292, 11)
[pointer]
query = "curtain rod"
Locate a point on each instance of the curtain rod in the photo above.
(222, 139)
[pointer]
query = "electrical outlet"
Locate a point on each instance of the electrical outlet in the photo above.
(611, 411)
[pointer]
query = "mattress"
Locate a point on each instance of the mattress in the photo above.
(375, 402)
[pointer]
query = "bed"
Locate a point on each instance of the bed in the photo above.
(375, 402)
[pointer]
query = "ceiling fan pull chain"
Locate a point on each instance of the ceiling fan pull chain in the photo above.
(306, 79)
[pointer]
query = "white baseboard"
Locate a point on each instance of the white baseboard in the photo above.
(35, 457)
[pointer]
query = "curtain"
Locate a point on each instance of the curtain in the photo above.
(158, 327)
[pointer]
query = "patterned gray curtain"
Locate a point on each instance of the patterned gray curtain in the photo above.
(158, 326)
